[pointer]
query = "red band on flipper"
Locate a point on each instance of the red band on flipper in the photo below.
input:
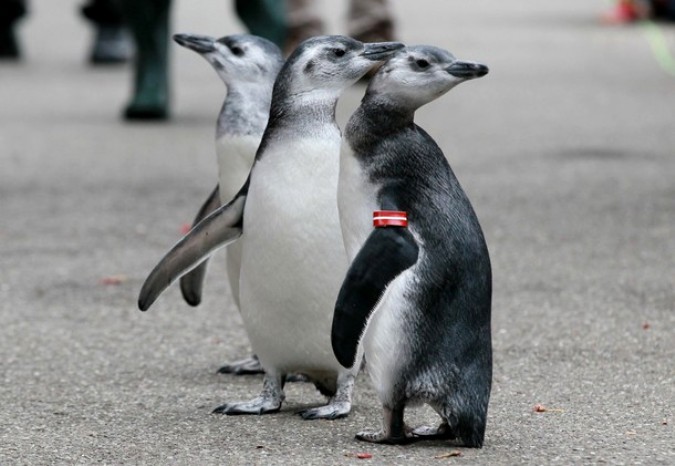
(390, 218)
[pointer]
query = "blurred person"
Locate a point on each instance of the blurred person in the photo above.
(110, 45)
(367, 21)
(664, 9)
(148, 21)
(10, 12)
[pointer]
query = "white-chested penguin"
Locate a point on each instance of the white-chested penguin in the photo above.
(248, 65)
(293, 258)
(417, 297)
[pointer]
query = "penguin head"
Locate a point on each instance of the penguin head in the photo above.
(419, 74)
(239, 58)
(329, 64)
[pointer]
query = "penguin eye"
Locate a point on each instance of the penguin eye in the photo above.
(237, 51)
(339, 52)
(422, 63)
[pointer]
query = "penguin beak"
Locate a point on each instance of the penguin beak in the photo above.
(200, 44)
(467, 69)
(378, 51)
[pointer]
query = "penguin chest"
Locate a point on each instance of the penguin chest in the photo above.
(293, 260)
(386, 340)
(235, 158)
(357, 199)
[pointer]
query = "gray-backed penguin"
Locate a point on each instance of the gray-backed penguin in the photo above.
(293, 258)
(416, 300)
(248, 65)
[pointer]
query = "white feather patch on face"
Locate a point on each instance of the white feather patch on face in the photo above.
(402, 79)
(317, 71)
(253, 67)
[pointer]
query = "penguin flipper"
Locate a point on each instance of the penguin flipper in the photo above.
(386, 253)
(220, 228)
(191, 283)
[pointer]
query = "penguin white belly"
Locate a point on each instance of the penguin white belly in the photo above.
(384, 341)
(293, 260)
(235, 158)
(357, 200)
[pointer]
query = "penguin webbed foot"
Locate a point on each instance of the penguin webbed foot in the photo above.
(258, 406)
(340, 403)
(385, 438)
(269, 401)
(246, 366)
(395, 432)
(442, 432)
(333, 410)
(408, 435)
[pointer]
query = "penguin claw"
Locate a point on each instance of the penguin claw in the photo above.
(383, 438)
(329, 411)
(257, 406)
(442, 432)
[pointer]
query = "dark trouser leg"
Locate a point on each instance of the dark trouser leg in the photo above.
(149, 24)
(10, 12)
(111, 43)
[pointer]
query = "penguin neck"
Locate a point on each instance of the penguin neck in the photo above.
(381, 114)
(244, 111)
(305, 112)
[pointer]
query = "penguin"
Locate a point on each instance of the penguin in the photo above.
(416, 300)
(293, 258)
(248, 65)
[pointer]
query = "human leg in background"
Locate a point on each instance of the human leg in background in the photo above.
(370, 21)
(304, 21)
(148, 21)
(264, 18)
(10, 12)
(111, 42)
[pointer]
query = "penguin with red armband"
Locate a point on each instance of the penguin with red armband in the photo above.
(416, 300)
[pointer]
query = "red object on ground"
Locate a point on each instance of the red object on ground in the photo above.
(112, 280)
(623, 12)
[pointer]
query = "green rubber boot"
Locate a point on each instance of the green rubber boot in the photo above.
(148, 21)
(264, 18)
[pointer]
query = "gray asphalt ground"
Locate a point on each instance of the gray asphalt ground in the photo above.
(567, 150)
